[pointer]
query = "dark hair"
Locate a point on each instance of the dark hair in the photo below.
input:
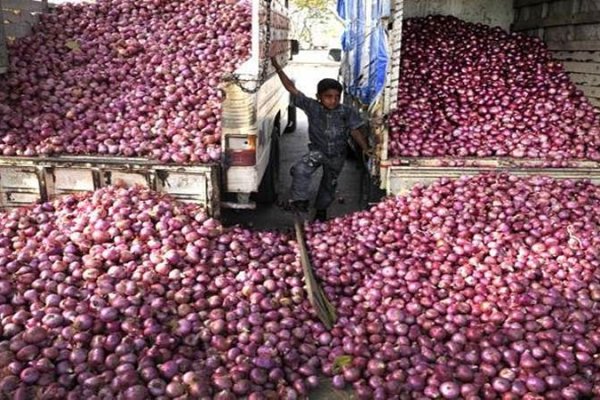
(328, 83)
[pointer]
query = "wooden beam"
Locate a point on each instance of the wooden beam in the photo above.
(585, 79)
(527, 3)
(17, 30)
(590, 91)
(577, 55)
(594, 102)
(575, 45)
(558, 20)
(3, 51)
(25, 5)
(582, 67)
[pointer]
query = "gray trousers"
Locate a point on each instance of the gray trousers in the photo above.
(303, 170)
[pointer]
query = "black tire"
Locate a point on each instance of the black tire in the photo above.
(291, 126)
(267, 191)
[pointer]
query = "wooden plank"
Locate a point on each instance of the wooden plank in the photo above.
(31, 18)
(577, 55)
(594, 102)
(585, 79)
(527, 3)
(3, 51)
(17, 30)
(27, 5)
(575, 45)
(590, 91)
(558, 20)
(582, 67)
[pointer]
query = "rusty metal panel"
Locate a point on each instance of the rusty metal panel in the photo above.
(71, 180)
(196, 185)
(127, 178)
(183, 184)
(19, 186)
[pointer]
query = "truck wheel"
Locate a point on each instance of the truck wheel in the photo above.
(291, 126)
(267, 191)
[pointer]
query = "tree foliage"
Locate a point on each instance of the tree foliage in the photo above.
(312, 4)
(306, 15)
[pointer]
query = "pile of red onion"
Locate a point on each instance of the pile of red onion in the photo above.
(469, 90)
(128, 293)
(478, 288)
(482, 287)
(123, 77)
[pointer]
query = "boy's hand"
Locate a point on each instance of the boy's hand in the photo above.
(275, 63)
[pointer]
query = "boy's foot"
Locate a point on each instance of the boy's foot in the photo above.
(321, 215)
(296, 206)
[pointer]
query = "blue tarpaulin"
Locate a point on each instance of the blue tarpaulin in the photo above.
(364, 43)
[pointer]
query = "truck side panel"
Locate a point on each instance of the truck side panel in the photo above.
(571, 28)
(401, 174)
(249, 119)
(29, 180)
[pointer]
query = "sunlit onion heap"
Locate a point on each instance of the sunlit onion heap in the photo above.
(482, 287)
(123, 77)
(125, 292)
(469, 90)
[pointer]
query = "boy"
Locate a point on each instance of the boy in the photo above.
(330, 124)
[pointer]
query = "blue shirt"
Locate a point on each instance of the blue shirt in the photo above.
(328, 130)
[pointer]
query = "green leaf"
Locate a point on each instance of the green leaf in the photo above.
(312, 4)
(341, 362)
(73, 45)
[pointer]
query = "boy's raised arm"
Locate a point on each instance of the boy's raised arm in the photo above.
(288, 84)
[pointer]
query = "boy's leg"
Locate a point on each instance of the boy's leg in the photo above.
(326, 194)
(302, 172)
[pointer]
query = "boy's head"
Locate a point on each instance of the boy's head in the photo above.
(329, 93)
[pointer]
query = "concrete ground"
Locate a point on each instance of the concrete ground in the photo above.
(308, 68)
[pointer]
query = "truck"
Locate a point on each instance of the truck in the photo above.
(255, 111)
(370, 71)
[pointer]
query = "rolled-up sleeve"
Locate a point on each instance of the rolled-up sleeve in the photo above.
(355, 121)
(304, 103)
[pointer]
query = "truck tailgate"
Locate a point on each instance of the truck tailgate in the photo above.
(399, 175)
(24, 180)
